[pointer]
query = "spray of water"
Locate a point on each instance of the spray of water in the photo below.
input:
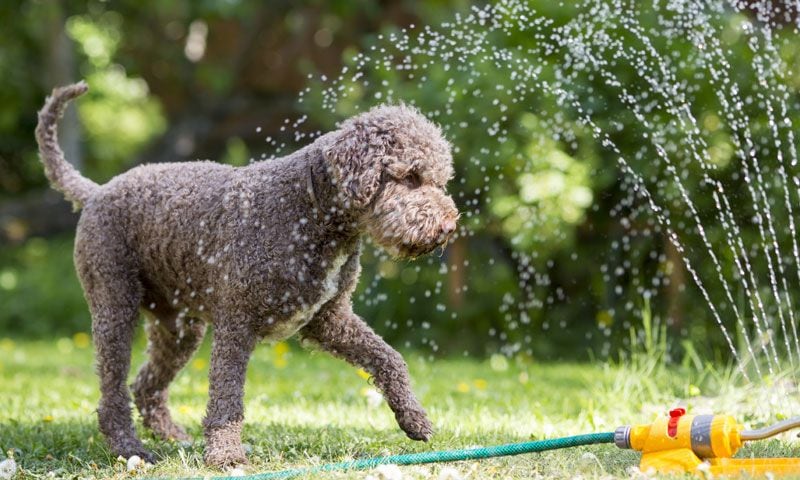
(677, 185)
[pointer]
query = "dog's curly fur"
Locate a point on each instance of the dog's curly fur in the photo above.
(259, 252)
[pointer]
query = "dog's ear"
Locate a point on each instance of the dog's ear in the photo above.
(357, 156)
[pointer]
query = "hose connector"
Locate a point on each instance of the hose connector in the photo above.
(622, 437)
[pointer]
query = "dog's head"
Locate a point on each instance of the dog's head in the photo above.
(392, 166)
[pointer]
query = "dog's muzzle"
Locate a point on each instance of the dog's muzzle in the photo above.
(446, 230)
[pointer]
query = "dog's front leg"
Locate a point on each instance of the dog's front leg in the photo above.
(342, 333)
(230, 352)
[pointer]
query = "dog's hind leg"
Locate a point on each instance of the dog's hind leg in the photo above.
(342, 333)
(171, 343)
(108, 273)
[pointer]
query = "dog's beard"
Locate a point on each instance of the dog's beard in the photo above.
(414, 251)
(406, 249)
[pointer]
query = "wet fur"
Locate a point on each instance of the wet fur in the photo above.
(259, 252)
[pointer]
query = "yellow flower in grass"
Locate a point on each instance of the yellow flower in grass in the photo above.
(281, 351)
(7, 344)
(47, 418)
(198, 364)
(185, 409)
(462, 387)
(281, 348)
(81, 340)
(480, 383)
(363, 374)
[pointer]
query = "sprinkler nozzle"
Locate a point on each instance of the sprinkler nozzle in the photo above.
(771, 431)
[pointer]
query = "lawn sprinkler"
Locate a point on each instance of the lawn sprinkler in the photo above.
(703, 443)
(681, 443)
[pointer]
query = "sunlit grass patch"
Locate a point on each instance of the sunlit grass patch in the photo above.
(305, 409)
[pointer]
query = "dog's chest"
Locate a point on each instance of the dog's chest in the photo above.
(328, 288)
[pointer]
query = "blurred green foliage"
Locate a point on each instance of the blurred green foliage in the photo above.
(118, 115)
(40, 290)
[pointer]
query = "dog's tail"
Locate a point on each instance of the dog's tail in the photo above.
(63, 176)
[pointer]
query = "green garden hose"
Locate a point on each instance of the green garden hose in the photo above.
(438, 457)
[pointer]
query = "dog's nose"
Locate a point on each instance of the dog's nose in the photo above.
(448, 226)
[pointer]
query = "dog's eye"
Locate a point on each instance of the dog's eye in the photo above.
(412, 180)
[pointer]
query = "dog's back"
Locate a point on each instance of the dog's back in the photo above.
(165, 213)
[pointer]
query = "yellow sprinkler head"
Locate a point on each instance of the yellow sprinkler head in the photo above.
(703, 443)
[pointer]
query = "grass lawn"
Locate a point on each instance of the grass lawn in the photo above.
(304, 409)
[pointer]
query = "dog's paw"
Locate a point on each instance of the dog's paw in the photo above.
(224, 448)
(180, 435)
(173, 432)
(224, 458)
(416, 424)
(165, 429)
(148, 457)
(133, 450)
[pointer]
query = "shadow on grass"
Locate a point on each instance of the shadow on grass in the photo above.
(44, 446)
(70, 449)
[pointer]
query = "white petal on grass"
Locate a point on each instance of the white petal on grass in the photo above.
(8, 468)
(388, 472)
(634, 473)
(236, 472)
(134, 463)
(449, 473)
(374, 398)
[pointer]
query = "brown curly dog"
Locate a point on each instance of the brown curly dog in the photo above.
(259, 252)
